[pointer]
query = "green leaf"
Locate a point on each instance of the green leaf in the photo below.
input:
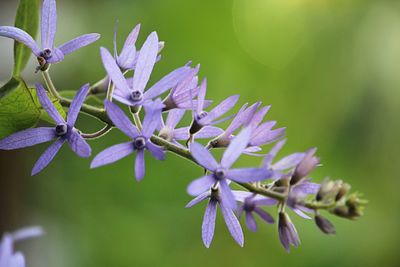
(27, 19)
(17, 108)
(43, 114)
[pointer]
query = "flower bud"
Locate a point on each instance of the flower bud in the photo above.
(325, 225)
(306, 165)
(343, 190)
(325, 188)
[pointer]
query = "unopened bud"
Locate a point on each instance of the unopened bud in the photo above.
(325, 225)
(343, 190)
(342, 211)
(306, 165)
(325, 188)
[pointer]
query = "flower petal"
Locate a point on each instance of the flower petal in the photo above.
(203, 156)
(118, 117)
(288, 162)
(28, 137)
(264, 215)
(227, 196)
(132, 37)
(198, 199)
(235, 148)
(200, 185)
(243, 117)
(56, 56)
(145, 63)
(251, 222)
(76, 105)
(181, 133)
(209, 132)
(233, 224)
(258, 117)
(152, 117)
(78, 144)
(78, 42)
(247, 175)
(208, 226)
(220, 110)
(201, 96)
(167, 82)
(112, 154)
(20, 36)
(47, 104)
(28, 232)
(48, 23)
(156, 151)
(114, 71)
(47, 156)
(139, 165)
(174, 117)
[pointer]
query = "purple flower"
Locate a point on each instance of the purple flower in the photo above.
(208, 226)
(140, 138)
(286, 163)
(131, 92)
(242, 118)
(287, 232)
(297, 195)
(63, 132)
(48, 52)
(222, 172)
(9, 258)
(127, 59)
(169, 133)
(251, 204)
(202, 118)
(307, 164)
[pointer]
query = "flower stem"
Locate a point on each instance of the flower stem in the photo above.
(49, 84)
(97, 134)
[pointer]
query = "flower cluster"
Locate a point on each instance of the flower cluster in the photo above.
(284, 184)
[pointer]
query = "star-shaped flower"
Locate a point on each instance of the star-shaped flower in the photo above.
(202, 118)
(63, 132)
(131, 91)
(140, 138)
(208, 226)
(49, 53)
(222, 172)
(9, 258)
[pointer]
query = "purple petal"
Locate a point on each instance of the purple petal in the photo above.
(156, 151)
(139, 165)
(201, 96)
(288, 162)
(233, 224)
(118, 117)
(6, 249)
(181, 133)
(208, 226)
(132, 37)
(188, 83)
(17, 260)
(47, 104)
(198, 199)
(243, 117)
(145, 63)
(235, 148)
(301, 213)
(306, 188)
(264, 215)
(78, 42)
(200, 185)
(47, 156)
(242, 195)
(152, 117)
(20, 36)
(174, 117)
(76, 105)
(78, 144)
(258, 117)
(251, 222)
(26, 233)
(220, 110)
(209, 132)
(267, 137)
(264, 201)
(48, 23)
(203, 156)
(112, 154)
(28, 137)
(227, 196)
(247, 175)
(167, 82)
(114, 71)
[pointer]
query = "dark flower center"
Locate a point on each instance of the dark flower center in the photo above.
(220, 174)
(201, 115)
(46, 53)
(248, 205)
(136, 96)
(139, 142)
(61, 129)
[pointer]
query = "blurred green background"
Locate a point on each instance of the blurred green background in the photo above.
(330, 69)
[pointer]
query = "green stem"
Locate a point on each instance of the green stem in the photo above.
(49, 84)
(97, 134)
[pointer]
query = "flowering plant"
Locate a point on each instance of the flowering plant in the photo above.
(283, 184)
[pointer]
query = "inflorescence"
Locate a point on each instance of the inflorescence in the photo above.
(284, 183)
